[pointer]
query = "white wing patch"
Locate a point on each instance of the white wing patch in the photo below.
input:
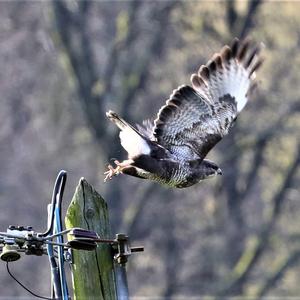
(133, 143)
(232, 71)
(238, 84)
(131, 140)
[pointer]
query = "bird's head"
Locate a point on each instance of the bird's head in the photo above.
(205, 169)
(210, 169)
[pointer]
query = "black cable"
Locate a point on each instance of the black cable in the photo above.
(23, 286)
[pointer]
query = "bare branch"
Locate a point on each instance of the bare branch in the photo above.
(291, 261)
(265, 234)
(248, 20)
(125, 43)
(136, 208)
(155, 49)
(72, 26)
(261, 143)
(231, 15)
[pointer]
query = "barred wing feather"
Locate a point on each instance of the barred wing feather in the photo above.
(196, 118)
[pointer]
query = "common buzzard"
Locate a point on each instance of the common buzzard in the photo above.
(172, 149)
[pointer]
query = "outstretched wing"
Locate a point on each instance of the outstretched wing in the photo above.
(146, 128)
(195, 118)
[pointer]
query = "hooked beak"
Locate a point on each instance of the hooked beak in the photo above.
(219, 172)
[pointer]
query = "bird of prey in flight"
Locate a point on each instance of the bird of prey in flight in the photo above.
(172, 149)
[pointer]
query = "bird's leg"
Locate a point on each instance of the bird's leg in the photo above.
(116, 171)
(110, 173)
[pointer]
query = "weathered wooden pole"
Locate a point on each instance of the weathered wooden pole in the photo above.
(92, 271)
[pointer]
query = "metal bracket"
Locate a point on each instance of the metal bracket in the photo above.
(123, 249)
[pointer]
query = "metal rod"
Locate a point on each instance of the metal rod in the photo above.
(10, 235)
(121, 282)
(57, 244)
(50, 237)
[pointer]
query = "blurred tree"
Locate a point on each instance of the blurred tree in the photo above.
(64, 63)
(124, 71)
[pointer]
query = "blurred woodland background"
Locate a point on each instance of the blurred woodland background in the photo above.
(64, 63)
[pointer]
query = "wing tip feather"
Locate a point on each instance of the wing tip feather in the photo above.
(204, 72)
(245, 52)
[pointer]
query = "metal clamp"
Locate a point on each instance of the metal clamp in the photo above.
(83, 239)
(123, 248)
(20, 239)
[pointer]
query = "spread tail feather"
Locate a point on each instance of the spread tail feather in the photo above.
(121, 123)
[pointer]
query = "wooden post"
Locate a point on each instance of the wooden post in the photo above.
(92, 271)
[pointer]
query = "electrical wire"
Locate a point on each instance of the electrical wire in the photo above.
(23, 286)
(50, 237)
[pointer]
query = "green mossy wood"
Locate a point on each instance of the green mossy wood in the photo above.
(92, 271)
